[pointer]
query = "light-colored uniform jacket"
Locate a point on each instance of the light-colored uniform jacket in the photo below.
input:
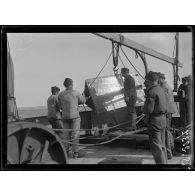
(171, 104)
(69, 100)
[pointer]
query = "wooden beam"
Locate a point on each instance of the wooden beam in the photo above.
(133, 45)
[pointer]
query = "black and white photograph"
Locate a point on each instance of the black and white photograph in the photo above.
(99, 97)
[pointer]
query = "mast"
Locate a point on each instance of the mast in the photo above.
(176, 62)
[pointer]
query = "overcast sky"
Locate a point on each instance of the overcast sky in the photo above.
(43, 60)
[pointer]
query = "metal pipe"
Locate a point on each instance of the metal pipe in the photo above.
(176, 62)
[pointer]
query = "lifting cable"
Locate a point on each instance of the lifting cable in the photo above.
(98, 75)
(129, 133)
(131, 63)
(101, 70)
(121, 61)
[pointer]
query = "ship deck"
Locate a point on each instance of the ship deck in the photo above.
(124, 152)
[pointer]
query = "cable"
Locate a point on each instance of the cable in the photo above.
(101, 70)
(131, 63)
(121, 61)
(98, 75)
(140, 118)
(112, 127)
(69, 141)
(106, 142)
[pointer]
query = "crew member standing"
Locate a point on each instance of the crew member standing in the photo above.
(171, 109)
(182, 90)
(130, 96)
(155, 107)
(54, 115)
(69, 99)
(189, 99)
(182, 94)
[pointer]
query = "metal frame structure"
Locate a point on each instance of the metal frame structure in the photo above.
(141, 50)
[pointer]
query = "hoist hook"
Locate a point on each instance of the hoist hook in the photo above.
(136, 54)
(115, 52)
(115, 70)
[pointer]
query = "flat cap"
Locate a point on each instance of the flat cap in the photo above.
(124, 70)
(154, 76)
(161, 75)
(55, 89)
(148, 74)
(68, 82)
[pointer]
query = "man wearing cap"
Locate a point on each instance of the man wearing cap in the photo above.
(69, 99)
(182, 94)
(189, 99)
(54, 115)
(171, 109)
(155, 108)
(182, 90)
(130, 96)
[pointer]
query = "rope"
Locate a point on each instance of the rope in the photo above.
(187, 128)
(106, 142)
(187, 131)
(140, 117)
(98, 75)
(121, 61)
(112, 127)
(131, 63)
(101, 70)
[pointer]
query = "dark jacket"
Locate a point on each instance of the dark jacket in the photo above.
(181, 88)
(156, 101)
(129, 89)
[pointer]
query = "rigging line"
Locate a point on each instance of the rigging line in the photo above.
(68, 141)
(108, 141)
(120, 57)
(131, 63)
(107, 128)
(101, 70)
(98, 75)
(121, 61)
